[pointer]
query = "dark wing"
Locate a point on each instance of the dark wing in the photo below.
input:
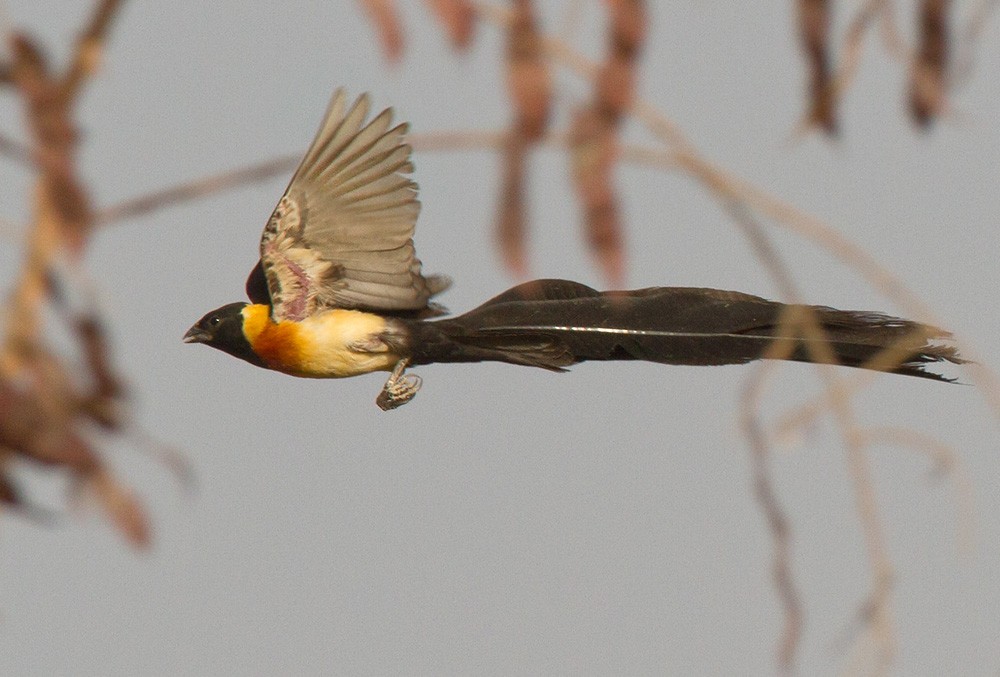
(341, 235)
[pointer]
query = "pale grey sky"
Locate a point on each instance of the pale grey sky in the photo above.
(507, 520)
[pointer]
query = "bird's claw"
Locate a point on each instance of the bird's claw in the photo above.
(399, 389)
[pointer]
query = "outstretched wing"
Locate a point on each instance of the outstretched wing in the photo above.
(341, 235)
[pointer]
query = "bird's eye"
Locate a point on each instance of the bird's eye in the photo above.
(214, 320)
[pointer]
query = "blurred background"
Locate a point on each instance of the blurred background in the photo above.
(508, 520)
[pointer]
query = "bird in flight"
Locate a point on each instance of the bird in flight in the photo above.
(338, 291)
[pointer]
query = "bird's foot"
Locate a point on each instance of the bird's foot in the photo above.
(399, 389)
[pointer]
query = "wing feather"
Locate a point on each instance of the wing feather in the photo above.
(342, 234)
(336, 134)
(383, 161)
(370, 144)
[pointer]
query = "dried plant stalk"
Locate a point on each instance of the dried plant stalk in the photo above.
(385, 17)
(511, 228)
(45, 410)
(458, 18)
(928, 76)
(529, 83)
(814, 32)
(627, 29)
(592, 158)
(529, 86)
(594, 137)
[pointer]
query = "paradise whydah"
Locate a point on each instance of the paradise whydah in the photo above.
(338, 292)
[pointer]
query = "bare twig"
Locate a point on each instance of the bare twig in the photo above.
(776, 518)
(750, 417)
(204, 187)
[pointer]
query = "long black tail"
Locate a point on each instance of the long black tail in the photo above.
(555, 323)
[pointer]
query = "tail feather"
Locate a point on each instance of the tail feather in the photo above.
(555, 323)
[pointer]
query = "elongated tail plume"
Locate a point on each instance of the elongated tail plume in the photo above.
(555, 323)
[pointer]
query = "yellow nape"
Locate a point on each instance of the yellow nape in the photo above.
(319, 346)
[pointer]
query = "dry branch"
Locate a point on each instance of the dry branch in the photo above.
(46, 409)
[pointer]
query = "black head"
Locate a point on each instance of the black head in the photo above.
(223, 329)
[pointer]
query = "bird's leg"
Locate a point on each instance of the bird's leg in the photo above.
(399, 389)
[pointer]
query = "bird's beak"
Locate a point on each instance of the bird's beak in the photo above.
(196, 335)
